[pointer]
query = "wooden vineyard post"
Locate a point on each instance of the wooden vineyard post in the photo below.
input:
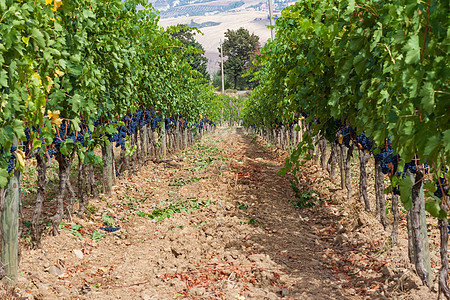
(300, 132)
(331, 164)
(347, 170)
(363, 159)
(151, 142)
(323, 152)
(443, 272)
(108, 170)
(162, 138)
(10, 228)
(380, 208)
(418, 227)
(395, 212)
(178, 136)
(341, 148)
(144, 145)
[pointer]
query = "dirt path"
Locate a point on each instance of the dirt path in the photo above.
(215, 223)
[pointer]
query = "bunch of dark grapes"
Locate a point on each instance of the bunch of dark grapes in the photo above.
(442, 188)
(426, 168)
(387, 159)
(167, 123)
(363, 142)
(26, 145)
(155, 121)
(139, 117)
(12, 160)
(348, 134)
(121, 135)
(411, 166)
(11, 163)
(110, 228)
(61, 135)
(147, 117)
(51, 152)
(396, 191)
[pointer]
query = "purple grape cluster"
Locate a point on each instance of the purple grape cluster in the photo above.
(441, 191)
(387, 159)
(348, 134)
(110, 228)
(12, 160)
(364, 141)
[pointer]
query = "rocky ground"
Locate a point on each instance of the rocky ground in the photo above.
(217, 222)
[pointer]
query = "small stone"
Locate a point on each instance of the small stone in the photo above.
(363, 220)
(341, 238)
(340, 229)
(387, 271)
(54, 270)
(284, 292)
(78, 253)
(146, 297)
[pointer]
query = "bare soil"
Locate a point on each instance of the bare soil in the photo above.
(245, 241)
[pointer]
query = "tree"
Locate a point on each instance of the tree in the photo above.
(239, 48)
(194, 56)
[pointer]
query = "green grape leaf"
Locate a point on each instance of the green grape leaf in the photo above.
(4, 78)
(432, 206)
(38, 37)
(3, 178)
(446, 140)
(405, 187)
(427, 95)
(412, 49)
(18, 129)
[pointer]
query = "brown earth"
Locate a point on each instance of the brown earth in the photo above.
(246, 240)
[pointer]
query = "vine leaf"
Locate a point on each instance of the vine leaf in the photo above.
(38, 37)
(26, 39)
(21, 157)
(412, 50)
(446, 140)
(18, 129)
(3, 178)
(405, 187)
(427, 94)
(432, 206)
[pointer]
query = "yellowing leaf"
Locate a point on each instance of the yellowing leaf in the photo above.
(48, 2)
(56, 122)
(28, 99)
(58, 72)
(53, 114)
(340, 139)
(50, 84)
(26, 39)
(20, 157)
(54, 117)
(38, 77)
(58, 4)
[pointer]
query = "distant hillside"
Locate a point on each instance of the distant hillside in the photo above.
(214, 17)
(189, 8)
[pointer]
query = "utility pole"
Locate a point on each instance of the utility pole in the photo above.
(221, 66)
(271, 19)
(223, 80)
